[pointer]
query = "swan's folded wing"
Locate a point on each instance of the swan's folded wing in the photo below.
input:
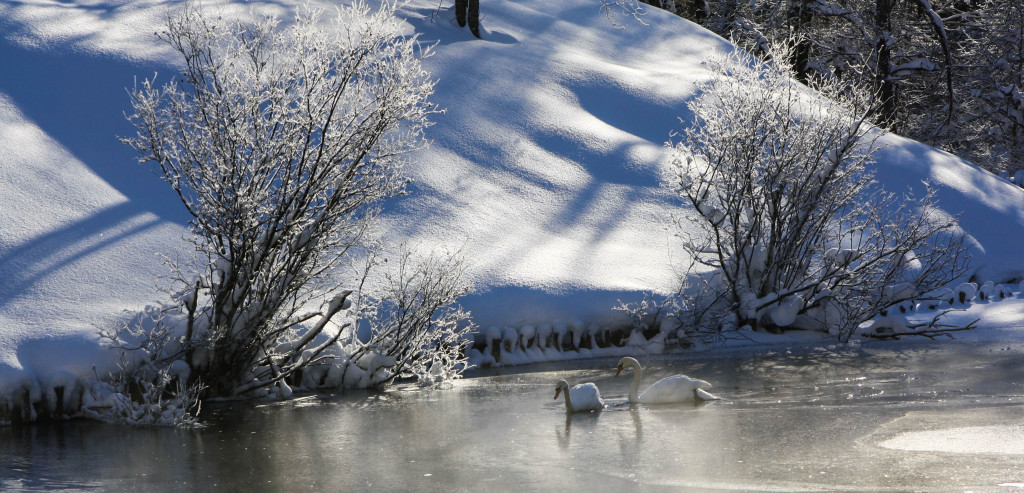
(586, 397)
(676, 388)
(707, 396)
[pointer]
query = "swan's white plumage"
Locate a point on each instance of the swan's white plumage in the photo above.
(675, 388)
(582, 397)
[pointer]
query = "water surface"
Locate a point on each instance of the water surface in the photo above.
(932, 417)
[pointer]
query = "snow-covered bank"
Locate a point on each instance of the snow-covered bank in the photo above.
(545, 170)
(75, 255)
(991, 313)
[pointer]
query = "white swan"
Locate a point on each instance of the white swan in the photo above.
(582, 397)
(675, 388)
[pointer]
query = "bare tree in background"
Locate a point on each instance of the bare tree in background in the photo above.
(990, 118)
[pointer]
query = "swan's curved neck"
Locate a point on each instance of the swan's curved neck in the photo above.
(634, 389)
(568, 401)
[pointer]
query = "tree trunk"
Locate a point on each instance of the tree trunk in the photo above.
(885, 83)
(474, 17)
(799, 16)
(460, 12)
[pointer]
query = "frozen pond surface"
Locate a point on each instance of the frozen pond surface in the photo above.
(918, 417)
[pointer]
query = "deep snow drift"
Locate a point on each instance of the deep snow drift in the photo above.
(544, 169)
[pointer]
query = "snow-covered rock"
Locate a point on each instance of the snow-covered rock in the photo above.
(986, 290)
(965, 293)
(544, 331)
(888, 324)
(1018, 178)
(939, 298)
(898, 292)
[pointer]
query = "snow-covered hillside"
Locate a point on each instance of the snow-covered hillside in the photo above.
(544, 169)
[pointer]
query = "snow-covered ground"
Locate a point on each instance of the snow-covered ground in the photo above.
(544, 170)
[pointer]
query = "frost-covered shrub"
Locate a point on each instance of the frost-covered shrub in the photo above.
(153, 384)
(791, 228)
(281, 142)
(417, 329)
(142, 394)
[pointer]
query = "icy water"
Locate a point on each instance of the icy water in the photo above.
(920, 417)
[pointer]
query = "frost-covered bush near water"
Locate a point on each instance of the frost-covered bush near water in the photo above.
(416, 327)
(152, 384)
(141, 395)
(792, 229)
(416, 331)
(281, 142)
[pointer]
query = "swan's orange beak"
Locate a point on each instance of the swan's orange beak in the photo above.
(558, 391)
(619, 370)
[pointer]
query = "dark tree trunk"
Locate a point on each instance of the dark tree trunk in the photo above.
(799, 16)
(460, 12)
(886, 83)
(474, 17)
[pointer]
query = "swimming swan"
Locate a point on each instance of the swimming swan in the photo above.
(583, 397)
(675, 388)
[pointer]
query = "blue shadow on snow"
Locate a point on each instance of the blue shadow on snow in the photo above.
(80, 100)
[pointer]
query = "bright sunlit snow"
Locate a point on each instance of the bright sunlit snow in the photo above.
(544, 169)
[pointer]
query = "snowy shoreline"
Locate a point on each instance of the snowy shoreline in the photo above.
(67, 396)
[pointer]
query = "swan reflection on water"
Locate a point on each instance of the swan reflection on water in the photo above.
(585, 421)
(629, 439)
